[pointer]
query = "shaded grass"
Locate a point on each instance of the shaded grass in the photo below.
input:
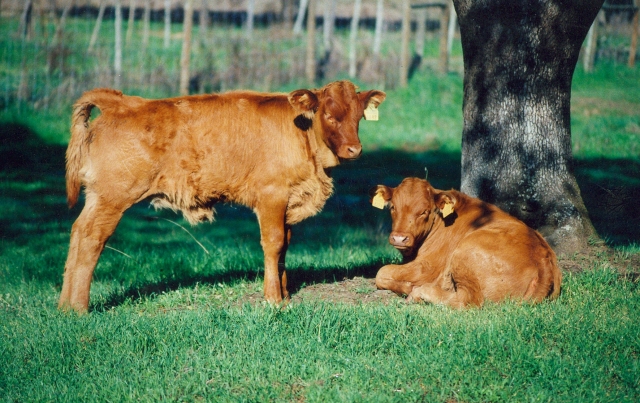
(582, 347)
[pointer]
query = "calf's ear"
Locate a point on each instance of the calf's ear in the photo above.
(445, 202)
(380, 196)
(304, 102)
(372, 97)
(370, 101)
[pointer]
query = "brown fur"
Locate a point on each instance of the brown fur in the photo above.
(267, 151)
(477, 253)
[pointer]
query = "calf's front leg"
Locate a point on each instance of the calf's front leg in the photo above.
(401, 279)
(274, 238)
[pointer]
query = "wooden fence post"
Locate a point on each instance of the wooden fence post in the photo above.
(591, 46)
(634, 35)
(185, 56)
(310, 66)
(117, 62)
(353, 35)
(130, 20)
(445, 33)
(404, 47)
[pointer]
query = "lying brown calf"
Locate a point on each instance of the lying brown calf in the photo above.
(461, 251)
(267, 151)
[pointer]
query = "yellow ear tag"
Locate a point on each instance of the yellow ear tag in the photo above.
(371, 113)
(378, 201)
(447, 209)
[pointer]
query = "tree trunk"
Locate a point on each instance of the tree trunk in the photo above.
(404, 46)
(310, 66)
(297, 27)
(377, 36)
(57, 37)
(328, 23)
(634, 36)
(25, 20)
(590, 47)
(251, 7)
(519, 59)
(96, 28)
(355, 21)
(445, 29)
(146, 18)
(203, 22)
(132, 14)
(453, 23)
(287, 14)
(117, 64)
(185, 57)
(167, 23)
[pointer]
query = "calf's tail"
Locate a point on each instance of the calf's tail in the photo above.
(551, 268)
(557, 278)
(77, 148)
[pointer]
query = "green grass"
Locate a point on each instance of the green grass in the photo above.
(170, 321)
(180, 346)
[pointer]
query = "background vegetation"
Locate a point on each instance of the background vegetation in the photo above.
(175, 319)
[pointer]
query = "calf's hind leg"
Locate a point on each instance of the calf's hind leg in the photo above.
(89, 233)
(457, 290)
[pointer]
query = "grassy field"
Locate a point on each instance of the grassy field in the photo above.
(177, 314)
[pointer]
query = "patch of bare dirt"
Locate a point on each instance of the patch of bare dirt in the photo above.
(351, 291)
(590, 106)
(360, 290)
(628, 265)
(357, 290)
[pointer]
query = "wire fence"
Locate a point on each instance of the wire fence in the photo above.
(51, 54)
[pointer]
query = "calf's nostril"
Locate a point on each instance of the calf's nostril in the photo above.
(400, 239)
(354, 151)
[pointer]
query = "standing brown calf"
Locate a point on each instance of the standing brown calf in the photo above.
(267, 151)
(461, 251)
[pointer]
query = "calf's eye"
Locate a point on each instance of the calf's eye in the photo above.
(330, 118)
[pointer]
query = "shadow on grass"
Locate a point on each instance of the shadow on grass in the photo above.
(32, 203)
(299, 278)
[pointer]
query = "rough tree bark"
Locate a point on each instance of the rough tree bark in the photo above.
(519, 59)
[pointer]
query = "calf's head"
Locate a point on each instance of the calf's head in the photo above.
(414, 206)
(336, 110)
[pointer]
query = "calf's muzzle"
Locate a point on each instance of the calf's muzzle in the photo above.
(350, 151)
(401, 240)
